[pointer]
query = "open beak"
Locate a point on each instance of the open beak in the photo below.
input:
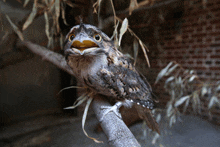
(85, 44)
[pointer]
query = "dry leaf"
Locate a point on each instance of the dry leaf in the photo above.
(15, 28)
(78, 102)
(192, 78)
(135, 48)
(163, 72)
(61, 40)
(25, 3)
(84, 120)
(96, 5)
(145, 53)
(181, 100)
(145, 2)
(70, 87)
(178, 37)
(115, 33)
(123, 29)
(46, 2)
(31, 16)
(70, 4)
(172, 69)
(113, 9)
(186, 105)
(57, 13)
(169, 79)
(155, 138)
(133, 6)
(63, 14)
(47, 25)
(214, 100)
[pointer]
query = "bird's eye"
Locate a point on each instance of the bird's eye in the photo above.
(71, 37)
(97, 37)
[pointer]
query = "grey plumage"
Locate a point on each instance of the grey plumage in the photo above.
(103, 69)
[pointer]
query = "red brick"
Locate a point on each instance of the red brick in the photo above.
(216, 33)
(199, 68)
(190, 62)
(198, 12)
(199, 35)
(208, 40)
(217, 14)
(208, 51)
(195, 24)
(183, 52)
(196, 2)
(199, 62)
(215, 21)
(199, 40)
(199, 57)
(217, 62)
(199, 29)
(191, 41)
(208, 62)
(191, 30)
(199, 52)
(192, 19)
(214, 68)
(217, 27)
(185, 36)
(215, 45)
(209, 4)
(168, 48)
(182, 62)
(192, 51)
(208, 28)
(215, 9)
(203, 23)
(199, 45)
(215, 56)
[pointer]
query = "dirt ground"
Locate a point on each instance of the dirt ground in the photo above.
(66, 131)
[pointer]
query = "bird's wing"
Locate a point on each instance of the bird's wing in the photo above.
(123, 82)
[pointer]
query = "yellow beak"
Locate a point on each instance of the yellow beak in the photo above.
(83, 45)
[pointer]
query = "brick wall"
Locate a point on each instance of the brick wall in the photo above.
(185, 31)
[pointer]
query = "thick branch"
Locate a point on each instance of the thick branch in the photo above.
(55, 58)
(117, 132)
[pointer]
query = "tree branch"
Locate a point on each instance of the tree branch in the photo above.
(162, 3)
(115, 129)
(117, 132)
(48, 55)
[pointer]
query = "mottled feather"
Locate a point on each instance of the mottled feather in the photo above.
(105, 70)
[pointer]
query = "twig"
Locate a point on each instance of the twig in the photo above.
(117, 132)
(163, 3)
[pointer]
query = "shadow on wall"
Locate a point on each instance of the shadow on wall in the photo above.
(30, 86)
(27, 88)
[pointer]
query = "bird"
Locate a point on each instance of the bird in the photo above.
(103, 69)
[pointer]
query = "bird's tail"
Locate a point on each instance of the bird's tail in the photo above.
(146, 115)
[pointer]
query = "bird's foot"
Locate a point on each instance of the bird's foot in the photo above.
(114, 109)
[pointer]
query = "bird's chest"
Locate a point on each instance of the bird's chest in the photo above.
(87, 67)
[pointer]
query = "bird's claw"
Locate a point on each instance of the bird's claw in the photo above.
(114, 109)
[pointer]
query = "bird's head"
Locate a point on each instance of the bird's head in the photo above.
(86, 40)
